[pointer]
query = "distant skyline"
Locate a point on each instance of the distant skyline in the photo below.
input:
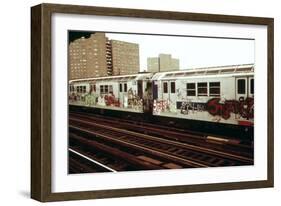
(192, 52)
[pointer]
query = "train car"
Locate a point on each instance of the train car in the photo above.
(123, 92)
(214, 94)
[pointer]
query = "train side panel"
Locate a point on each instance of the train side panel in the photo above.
(211, 99)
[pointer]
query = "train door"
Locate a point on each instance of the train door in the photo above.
(149, 87)
(147, 97)
(123, 93)
(165, 90)
(120, 94)
(140, 89)
(155, 90)
(172, 91)
(251, 88)
(241, 88)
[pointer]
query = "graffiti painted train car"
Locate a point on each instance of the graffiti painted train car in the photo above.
(220, 94)
(215, 94)
(115, 92)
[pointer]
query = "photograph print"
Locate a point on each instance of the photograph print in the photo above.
(157, 102)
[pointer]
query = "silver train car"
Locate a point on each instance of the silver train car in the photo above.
(124, 92)
(215, 94)
(220, 94)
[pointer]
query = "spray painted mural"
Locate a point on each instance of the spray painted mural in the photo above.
(215, 109)
(243, 107)
(129, 100)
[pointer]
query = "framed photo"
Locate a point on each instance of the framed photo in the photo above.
(130, 102)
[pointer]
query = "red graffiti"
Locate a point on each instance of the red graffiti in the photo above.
(243, 107)
(110, 100)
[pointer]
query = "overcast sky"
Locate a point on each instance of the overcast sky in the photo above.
(192, 51)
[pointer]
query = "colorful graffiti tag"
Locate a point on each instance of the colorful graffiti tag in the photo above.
(243, 107)
(160, 106)
(187, 106)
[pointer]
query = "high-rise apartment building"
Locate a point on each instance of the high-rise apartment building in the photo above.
(164, 62)
(98, 56)
(88, 57)
(125, 57)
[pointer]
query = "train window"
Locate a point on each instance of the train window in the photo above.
(101, 89)
(214, 88)
(173, 87)
(110, 89)
(84, 89)
(252, 86)
(202, 89)
(125, 87)
(106, 89)
(165, 86)
(190, 89)
(241, 86)
(120, 88)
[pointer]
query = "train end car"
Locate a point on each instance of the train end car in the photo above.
(123, 92)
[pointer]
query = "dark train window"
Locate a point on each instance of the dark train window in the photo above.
(120, 88)
(101, 89)
(202, 89)
(190, 89)
(106, 89)
(214, 88)
(252, 90)
(241, 86)
(125, 87)
(165, 85)
(173, 87)
(84, 89)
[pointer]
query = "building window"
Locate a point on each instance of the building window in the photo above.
(252, 90)
(202, 89)
(173, 87)
(241, 86)
(214, 88)
(165, 87)
(190, 89)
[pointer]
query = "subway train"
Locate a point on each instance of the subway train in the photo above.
(222, 94)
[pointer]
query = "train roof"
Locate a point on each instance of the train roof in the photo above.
(206, 71)
(139, 76)
(229, 70)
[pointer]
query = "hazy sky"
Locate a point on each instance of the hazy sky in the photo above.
(192, 51)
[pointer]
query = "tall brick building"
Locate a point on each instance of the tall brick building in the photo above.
(99, 56)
